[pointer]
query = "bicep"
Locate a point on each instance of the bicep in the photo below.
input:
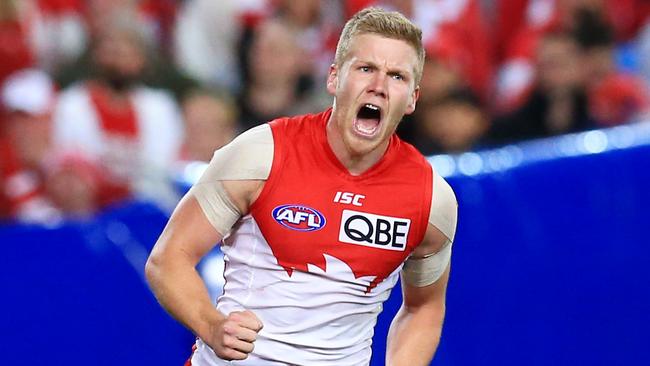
(437, 269)
(434, 240)
(431, 257)
(432, 295)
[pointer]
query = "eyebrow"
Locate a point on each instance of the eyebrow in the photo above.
(393, 70)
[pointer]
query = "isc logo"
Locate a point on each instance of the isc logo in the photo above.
(375, 231)
(297, 217)
(349, 198)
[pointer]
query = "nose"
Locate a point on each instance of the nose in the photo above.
(378, 84)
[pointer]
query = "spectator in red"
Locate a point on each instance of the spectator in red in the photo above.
(614, 97)
(520, 24)
(42, 33)
(557, 103)
(15, 49)
(133, 132)
(101, 15)
(25, 139)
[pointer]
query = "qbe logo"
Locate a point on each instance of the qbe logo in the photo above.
(375, 231)
(298, 217)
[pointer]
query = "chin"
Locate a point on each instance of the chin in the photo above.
(360, 144)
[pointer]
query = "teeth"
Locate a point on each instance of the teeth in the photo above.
(371, 106)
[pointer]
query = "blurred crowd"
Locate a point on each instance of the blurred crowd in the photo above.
(103, 100)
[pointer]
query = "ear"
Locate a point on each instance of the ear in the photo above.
(410, 108)
(332, 79)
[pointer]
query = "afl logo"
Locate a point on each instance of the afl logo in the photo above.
(298, 217)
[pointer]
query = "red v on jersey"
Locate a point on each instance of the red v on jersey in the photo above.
(115, 118)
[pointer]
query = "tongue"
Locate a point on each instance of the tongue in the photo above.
(366, 125)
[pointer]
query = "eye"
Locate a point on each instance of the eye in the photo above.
(364, 68)
(397, 77)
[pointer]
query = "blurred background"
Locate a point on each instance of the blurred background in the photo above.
(536, 112)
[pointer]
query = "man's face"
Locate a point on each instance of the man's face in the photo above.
(373, 89)
(120, 58)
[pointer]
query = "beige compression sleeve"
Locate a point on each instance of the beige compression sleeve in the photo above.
(443, 215)
(248, 157)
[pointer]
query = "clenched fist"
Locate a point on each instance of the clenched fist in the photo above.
(232, 338)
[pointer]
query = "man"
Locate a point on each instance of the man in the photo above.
(26, 100)
(132, 132)
(317, 214)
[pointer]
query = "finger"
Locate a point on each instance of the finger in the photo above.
(235, 329)
(246, 319)
(238, 345)
(233, 354)
(242, 333)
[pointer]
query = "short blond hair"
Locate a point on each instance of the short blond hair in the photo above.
(389, 24)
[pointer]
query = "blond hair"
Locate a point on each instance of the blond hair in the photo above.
(389, 24)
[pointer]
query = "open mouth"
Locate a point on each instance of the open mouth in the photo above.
(368, 120)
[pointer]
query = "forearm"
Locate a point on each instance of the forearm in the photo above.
(414, 336)
(181, 291)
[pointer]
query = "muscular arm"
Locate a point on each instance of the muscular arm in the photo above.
(231, 183)
(171, 271)
(415, 331)
(173, 278)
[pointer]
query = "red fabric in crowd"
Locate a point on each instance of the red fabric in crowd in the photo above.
(617, 99)
(353, 6)
(509, 18)
(15, 52)
(11, 167)
(465, 44)
(119, 120)
(60, 6)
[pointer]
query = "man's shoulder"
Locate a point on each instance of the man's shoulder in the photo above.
(158, 96)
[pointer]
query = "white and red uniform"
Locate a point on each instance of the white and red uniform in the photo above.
(135, 146)
(321, 249)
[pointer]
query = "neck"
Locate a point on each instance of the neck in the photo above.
(116, 97)
(356, 162)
